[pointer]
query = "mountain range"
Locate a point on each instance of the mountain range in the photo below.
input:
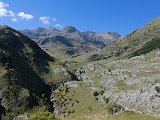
(70, 41)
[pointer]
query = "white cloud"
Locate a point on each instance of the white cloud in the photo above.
(54, 19)
(45, 20)
(3, 5)
(59, 26)
(14, 19)
(25, 16)
(13, 16)
(10, 13)
(3, 10)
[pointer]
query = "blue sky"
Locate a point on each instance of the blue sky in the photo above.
(122, 16)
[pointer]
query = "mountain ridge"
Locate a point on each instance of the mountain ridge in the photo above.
(81, 42)
(133, 43)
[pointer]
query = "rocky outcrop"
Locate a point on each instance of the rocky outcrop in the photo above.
(133, 83)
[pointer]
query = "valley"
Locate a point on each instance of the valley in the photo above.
(76, 75)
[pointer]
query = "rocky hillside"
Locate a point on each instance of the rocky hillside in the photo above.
(132, 83)
(127, 72)
(70, 41)
(22, 63)
(136, 43)
(123, 77)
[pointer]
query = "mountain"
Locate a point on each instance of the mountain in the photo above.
(22, 63)
(134, 44)
(124, 76)
(121, 81)
(70, 41)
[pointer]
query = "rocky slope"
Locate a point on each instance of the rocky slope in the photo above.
(128, 71)
(132, 83)
(70, 41)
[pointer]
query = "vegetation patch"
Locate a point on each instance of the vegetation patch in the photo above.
(113, 108)
(123, 86)
(43, 116)
(157, 89)
(78, 101)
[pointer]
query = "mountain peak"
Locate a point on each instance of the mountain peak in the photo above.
(154, 23)
(70, 29)
(6, 27)
(115, 34)
(41, 29)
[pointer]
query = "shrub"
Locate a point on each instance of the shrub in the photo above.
(106, 99)
(101, 92)
(109, 69)
(6, 67)
(114, 108)
(43, 116)
(95, 93)
(157, 89)
(96, 99)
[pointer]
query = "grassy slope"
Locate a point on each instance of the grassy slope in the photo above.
(123, 116)
(138, 42)
(87, 108)
(80, 100)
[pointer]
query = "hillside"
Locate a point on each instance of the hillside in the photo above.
(134, 44)
(125, 78)
(70, 41)
(22, 67)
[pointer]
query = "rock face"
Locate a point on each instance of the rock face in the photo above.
(70, 41)
(133, 83)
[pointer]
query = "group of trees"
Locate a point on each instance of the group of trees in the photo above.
(4, 56)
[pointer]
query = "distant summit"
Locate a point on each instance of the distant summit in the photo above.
(115, 34)
(70, 41)
(70, 29)
(138, 42)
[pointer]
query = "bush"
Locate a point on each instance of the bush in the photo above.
(95, 93)
(114, 108)
(109, 69)
(7, 68)
(106, 99)
(101, 92)
(43, 116)
(157, 89)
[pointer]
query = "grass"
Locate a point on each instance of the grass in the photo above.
(43, 116)
(123, 86)
(122, 116)
(96, 81)
(51, 78)
(82, 101)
